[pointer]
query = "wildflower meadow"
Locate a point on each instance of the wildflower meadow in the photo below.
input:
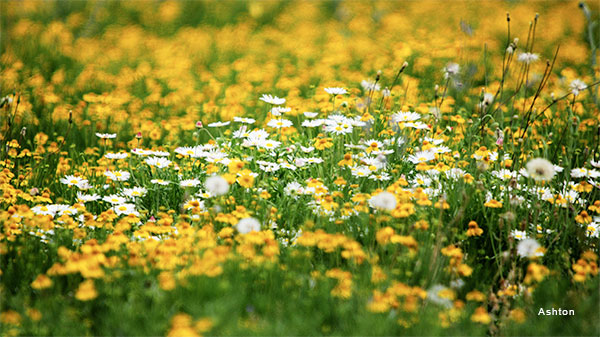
(189, 168)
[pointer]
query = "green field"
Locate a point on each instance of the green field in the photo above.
(299, 168)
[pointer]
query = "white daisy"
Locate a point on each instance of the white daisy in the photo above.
(87, 197)
(421, 157)
(43, 210)
(278, 111)
(269, 144)
(189, 183)
(120, 155)
(71, 180)
(279, 123)
(106, 135)
(360, 171)
(315, 123)
(218, 124)
(135, 192)
(593, 229)
(244, 120)
(160, 153)
(336, 91)
(518, 235)
(504, 174)
(114, 199)
(416, 125)
(125, 209)
(160, 182)
(141, 152)
(272, 99)
(307, 149)
(159, 162)
(117, 175)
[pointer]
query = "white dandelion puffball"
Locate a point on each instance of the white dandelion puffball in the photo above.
(540, 169)
(383, 200)
(216, 185)
(529, 248)
(248, 225)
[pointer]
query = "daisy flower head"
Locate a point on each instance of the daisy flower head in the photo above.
(279, 123)
(160, 182)
(380, 177)
(135, 192)
(87, 197)
(218, 124)
(336, 91)
(504, 174)
(161, 153)
(247, 225)
(421, 157)
(540, 169)
(120, 155)
(360, 171)
(125, 209)
(372, 144)
(440, 149)
(416, 125)
(189, 183)
(518, 235)
(159, 162)
(315, 123)
(189, 151)
(117, 175)
(244, 120)
(269, 144)
(405, 117)
(277, 110)
(259, 134)
(293, 188)
(272, 99)
(307, 149)
(593, 229)
(309, 114)
(106, 135)
(338, 127)
(140, 152)
(44, 210)
(216, 185)
(584, 173)
(114, 199)
(314, 160)
(71, 180)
